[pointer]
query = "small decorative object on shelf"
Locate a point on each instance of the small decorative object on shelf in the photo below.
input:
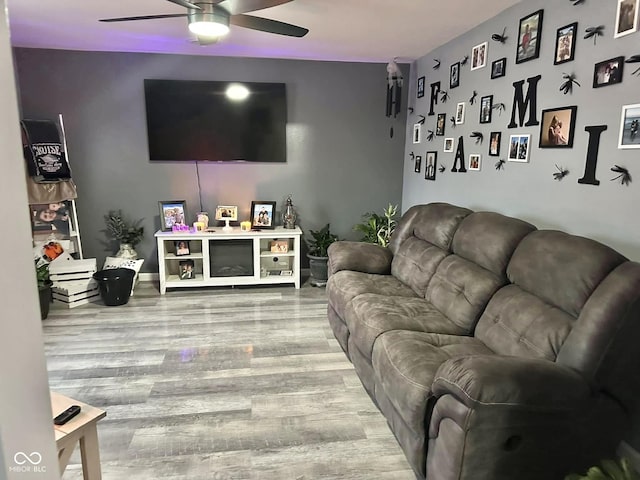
(289, 216)
(245, 226)
(227, 213)
(203, 217)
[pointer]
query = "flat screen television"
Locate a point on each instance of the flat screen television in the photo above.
(198, 121)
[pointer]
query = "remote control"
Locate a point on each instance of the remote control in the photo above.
(67, 415)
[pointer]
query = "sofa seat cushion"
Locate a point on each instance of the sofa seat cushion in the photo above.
(370, 315)
(345, 285)
(405, 364)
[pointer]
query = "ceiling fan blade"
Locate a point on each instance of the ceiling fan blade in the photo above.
(185, 4)
(143, 17)
(235, 7)
(267, 25)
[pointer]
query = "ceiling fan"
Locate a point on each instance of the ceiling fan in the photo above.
(209, 20)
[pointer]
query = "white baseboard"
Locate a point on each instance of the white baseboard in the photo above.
(148, 277)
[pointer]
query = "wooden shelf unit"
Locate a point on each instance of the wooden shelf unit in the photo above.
(230, 258)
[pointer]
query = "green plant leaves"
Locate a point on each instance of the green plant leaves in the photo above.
(378, 228)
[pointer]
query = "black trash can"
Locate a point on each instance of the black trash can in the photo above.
(115, 285)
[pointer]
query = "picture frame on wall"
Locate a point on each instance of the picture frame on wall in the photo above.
(474, 161)
(454, 75)
(479, 56)
(417, 133)
(263, 215)
(630, 127)
(172, 212)
(557, 127)
(565, 44)
(459, 119)
(519, 147)
(448, 145)
(486, 107)
(440, 124)
(421, 81)
(499, 68)
(626, 17)
(608, 72)
(529, 36)
(417, 166)
(430, 165)
(494, 143)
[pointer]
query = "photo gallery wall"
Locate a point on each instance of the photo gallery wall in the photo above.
(557, 125)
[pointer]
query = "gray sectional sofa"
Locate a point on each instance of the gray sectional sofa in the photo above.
(496, 351)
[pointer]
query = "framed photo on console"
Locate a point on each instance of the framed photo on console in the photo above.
(182, 247)
(172, 212)
(263, 215)
(227, 212)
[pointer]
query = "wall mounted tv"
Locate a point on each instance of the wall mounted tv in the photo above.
(198, 121)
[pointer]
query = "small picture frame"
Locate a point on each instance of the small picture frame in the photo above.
(626, 17)
(187, 270)
(519, 147)
(440, 124)
(499, 68)
(557, 127)
(279, 246)
(448, 145)
(227, 212)
(565, 43)
(454, 75)
(494, 144)
(608, 72)
(430, 165)
(172, 212)
(460, 113)
(629, 127)
(417, 166)
(479, 56)
(52, 217)
(474, 161)
(420, 92)
(486, 107)
(417, 133)
(529, 36)
(263, 215)
(182, 248)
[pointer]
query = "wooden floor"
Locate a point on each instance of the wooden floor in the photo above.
(220, 384)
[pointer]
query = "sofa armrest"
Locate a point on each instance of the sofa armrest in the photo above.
(359, 257)
(510, 381)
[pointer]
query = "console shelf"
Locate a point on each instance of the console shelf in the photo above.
(221, 258)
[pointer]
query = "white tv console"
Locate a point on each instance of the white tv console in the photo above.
(222, 258)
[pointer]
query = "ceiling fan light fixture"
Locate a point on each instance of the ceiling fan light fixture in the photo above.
(211, 21)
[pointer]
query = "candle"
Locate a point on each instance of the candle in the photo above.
(199, 226)
(245, 226)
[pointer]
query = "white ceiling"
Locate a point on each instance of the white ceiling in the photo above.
(340, 30)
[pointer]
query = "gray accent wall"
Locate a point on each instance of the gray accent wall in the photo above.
(341, 161)
(608, 212)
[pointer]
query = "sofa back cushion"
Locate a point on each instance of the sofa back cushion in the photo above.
(553, 274)
(465, 281)
(422, 240)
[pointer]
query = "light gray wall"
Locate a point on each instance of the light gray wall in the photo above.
(341, 161)
(608, 212)
(25, 408)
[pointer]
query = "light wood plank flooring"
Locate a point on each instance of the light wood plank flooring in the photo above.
(220, 384)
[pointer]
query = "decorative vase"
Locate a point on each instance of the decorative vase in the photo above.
(203, 217)
(289, 216)
(127, 251)
(318, 270)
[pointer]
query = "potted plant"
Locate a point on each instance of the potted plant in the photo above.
(44, 288)
(378, 228)
(318, 245)
(609, 470)
(127, 234)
